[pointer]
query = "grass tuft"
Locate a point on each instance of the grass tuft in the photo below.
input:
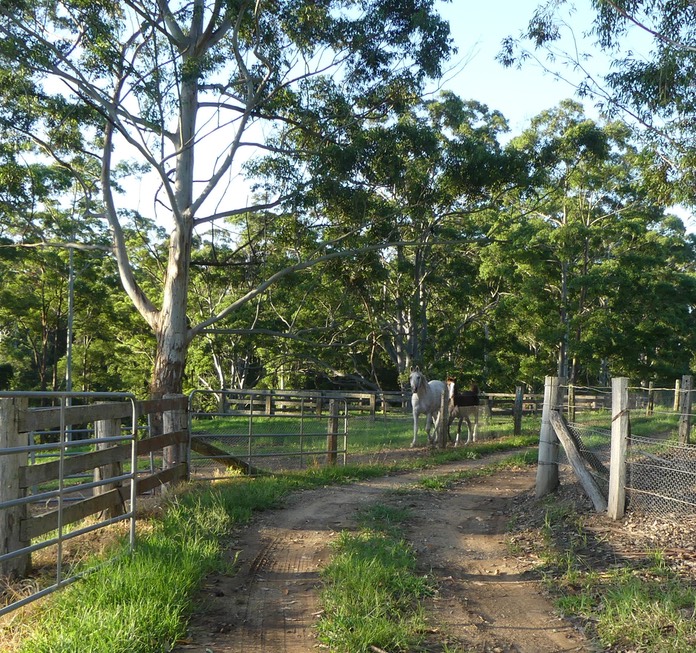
(372, 589)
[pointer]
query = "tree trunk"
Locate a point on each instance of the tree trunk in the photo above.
(172, 327)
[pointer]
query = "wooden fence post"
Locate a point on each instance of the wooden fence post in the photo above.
(650, 406)
(332, 433)
(677, 395)
(173, 421)
(547, 469)
(685, 415)
(373, 406)
(517, 411)
(441, 432)
(108, 428)
(619, 445)
(571, 403)
(11, 518)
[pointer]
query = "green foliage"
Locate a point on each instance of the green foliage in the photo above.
(384, 231)
(649, 84)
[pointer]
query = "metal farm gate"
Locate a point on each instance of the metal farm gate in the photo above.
(260, 430)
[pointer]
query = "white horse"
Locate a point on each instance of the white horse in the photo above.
(425, 399)
(463, 405)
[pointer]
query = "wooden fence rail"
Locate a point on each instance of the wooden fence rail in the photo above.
(111, 490)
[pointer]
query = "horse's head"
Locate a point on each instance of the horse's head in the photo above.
(416, 379)
(451, 383)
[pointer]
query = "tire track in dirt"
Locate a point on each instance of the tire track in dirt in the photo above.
(484, 603)
(486, 600)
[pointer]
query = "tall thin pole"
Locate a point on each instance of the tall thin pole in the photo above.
(71, 308)
(547, 470)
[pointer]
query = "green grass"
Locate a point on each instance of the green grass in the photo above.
(364, 434)
(372, 591)
(641, 605)
(140, 603)
(661, 423)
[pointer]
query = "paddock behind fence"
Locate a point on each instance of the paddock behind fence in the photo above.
(253, 430)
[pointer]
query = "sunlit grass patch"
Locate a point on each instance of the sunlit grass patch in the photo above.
(372, 591)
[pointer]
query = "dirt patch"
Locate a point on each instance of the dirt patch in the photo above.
(488, 599)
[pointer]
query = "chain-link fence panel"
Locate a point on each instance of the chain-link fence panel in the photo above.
(594, 446)
(661, 477)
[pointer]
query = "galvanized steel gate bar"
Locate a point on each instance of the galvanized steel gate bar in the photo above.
(63, 446)
(240, 428)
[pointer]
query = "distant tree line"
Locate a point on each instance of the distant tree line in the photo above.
(384, 231)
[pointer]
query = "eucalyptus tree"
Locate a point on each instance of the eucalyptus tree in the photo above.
(590, 246)
(419, 182)
(175, 94)
(652, 46)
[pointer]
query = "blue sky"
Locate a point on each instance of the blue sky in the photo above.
(478, 27)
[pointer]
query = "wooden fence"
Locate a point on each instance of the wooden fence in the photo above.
(104, 457)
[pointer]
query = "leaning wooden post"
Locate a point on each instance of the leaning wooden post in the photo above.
(685, 415)
(332, 433)
(173, 421)
(575, 459)
(547, 469)
(517, 411)
(11, 519)
(619, 446)
(108, 428)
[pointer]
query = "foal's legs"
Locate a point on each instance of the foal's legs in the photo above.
(471, 412)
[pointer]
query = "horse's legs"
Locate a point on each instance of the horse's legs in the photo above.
(471, 412)
(415, 428)
(428, 425)
(468, 428)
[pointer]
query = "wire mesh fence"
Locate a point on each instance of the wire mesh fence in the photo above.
(594, 445)
(254, 430)
(661, 478)
(661, 461)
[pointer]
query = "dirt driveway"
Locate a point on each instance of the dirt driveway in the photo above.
(487, 601)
